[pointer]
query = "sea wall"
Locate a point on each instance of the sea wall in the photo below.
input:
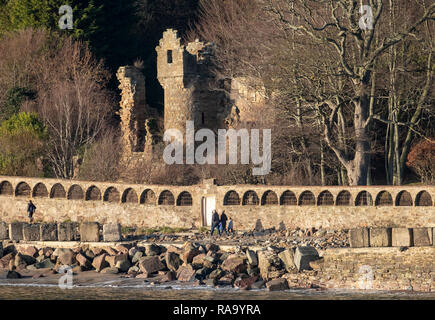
(334, 207)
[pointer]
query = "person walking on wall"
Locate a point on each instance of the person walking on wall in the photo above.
(223, 220)
(31, 210)
(230, 226)
(214, 222)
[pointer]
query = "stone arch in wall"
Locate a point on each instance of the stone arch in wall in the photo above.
(184, 199)
(93, 194)
(129, 196)
(231, 198)
(384, 198)
(166, 198)
(148, 197)
(269, 198)
(288, 198)
(250, 198)
(364, 198)
(40, 191)
(75, 192)
(57, 191)
(403, 199)
(325, 198)
(22, 190)
(307, 199)
(111, 195)
(344, 198)
(423, 199)
(6, 188)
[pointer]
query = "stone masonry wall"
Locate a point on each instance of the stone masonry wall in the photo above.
(372, 269)
(248, 205)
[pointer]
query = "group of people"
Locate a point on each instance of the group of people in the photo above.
(219, 222)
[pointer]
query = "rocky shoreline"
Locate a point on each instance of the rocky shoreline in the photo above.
(193, 263)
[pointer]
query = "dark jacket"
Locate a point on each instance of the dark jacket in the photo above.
(224, 219)
(215, 219)
(31, 208)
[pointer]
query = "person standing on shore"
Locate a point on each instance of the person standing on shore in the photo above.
(31, 210)
(223, 220)
(214, 222)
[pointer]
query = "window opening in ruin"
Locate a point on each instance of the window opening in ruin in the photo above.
(57, 191)
(343, 198)
(22, 190)
(250, 198)
(6, 188)
(404, 199)
(148, 197)
(307, 199)
(364, 198)
(269, 197)
(111, 195)
(169, 56)
(325, 199)
(40, 190)
(93, 194)
(75, 192)
(423, 199)
(231, 199)
(384, 199)
(184, 199)
(166, 198)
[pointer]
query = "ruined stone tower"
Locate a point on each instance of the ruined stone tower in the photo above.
(189, 92)
(133, 110)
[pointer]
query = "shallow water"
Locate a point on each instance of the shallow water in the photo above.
(145, 292)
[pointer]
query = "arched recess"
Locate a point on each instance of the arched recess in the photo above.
(364, 198)
(231, 198)
(22, 190)
(75, 192)
(166, 198)
(6, 188)
(423, 199)
(148, 197)
(40, 191)
(269, 198)
(57, 191)
(307, 199)
(288, 198)
(93, 194)
(184, 199)
(129, 196)
(250, 198)
(111, 195)
(325, 198)
(384, 198)
(343, 198)
(404, 199)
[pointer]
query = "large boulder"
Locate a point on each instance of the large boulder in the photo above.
(401, 237)
(277, 284)
(44, 264)
(234, 263)
(380, 237)
(152, 249)
(149, 265)
(268, 263)
(189, 252)
(48, 232)
(4, 231)
(89, 232)
(30, 251)
(31, 232)
(287, 258)
(67, 257)
(4, 261)
(359, 238)
(252, 257)
(113, 260)
(110, 270)
(303, 257)
(111, 232)
(173, 261)
(16, 231)
(186, 273)
(100, 262)
(422, 237)
(123, 265)
(136, 256)
(83, 261)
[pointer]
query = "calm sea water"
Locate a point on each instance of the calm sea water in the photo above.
(107, 292)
